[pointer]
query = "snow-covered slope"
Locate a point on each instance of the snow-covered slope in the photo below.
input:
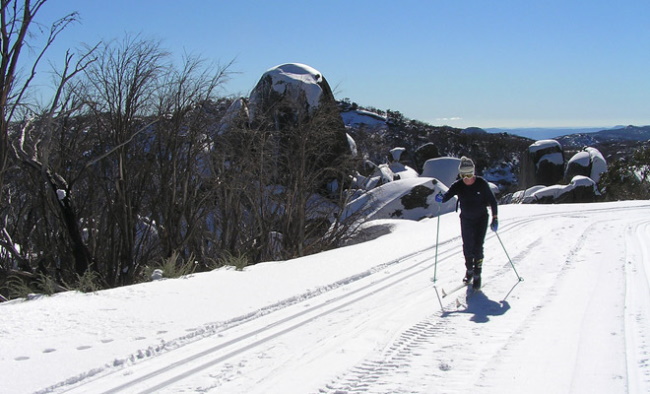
(367, 318)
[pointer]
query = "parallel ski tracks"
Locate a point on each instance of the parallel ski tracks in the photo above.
(278, 321)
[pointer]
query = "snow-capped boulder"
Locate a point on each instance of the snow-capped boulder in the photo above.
(588, 162)
(402, 171)
(379, 175)
(582, 189)
(424, 153)
(398, 162)
(360, 119)
(445, 169)
(522, 196)
(396, 154)
(289, 92)
(542, 164)
(411, 199)
(294, 103)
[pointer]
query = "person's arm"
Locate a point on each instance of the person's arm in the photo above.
(492, 201)
(453, 190)
(494, 207)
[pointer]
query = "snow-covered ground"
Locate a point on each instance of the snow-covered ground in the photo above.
(367, 318)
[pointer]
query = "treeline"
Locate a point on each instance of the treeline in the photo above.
(126, 170)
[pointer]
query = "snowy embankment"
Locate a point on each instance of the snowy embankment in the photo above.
(367, 318)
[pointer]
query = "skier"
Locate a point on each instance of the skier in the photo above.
(474, 195)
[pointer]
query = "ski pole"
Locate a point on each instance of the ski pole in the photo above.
(509, 259)
(435, 264)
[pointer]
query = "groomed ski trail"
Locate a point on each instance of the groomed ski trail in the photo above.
(391, 318)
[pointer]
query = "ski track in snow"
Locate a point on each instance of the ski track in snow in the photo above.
(637, 318)
(372, 315)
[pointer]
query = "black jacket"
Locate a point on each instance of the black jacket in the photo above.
(473, 199)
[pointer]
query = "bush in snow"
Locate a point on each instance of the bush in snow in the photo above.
(628, 179)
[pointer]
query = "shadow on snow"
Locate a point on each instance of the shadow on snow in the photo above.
(481, 307)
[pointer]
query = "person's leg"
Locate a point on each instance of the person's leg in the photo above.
(468, 234)
(480, 230)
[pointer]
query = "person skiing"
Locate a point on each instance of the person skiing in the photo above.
(474, 195)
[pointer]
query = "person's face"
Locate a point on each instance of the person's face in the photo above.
(468, 179)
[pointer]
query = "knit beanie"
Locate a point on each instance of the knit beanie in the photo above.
(466, 166)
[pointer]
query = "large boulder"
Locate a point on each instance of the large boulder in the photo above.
(589, 162)
(289, 94)
(400, 164)
(424, 153)
(412, 199)
(361, 119)
(295, 105)
(445, 169)
(542, 164)
(581, 189)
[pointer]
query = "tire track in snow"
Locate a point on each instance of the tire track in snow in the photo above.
(411, 345)
(582, 292)
(378, 375)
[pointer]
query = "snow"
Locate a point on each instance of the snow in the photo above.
(598, 163)
(544, 144)
(583, 158)
(555, 191)
(359, 118)
(367, 317)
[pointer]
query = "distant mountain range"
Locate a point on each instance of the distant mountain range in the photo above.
(582, 136)
(538, 133)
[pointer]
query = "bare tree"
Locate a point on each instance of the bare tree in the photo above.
(17, 32)
(16, 18)
(120, 92)
(182, 202)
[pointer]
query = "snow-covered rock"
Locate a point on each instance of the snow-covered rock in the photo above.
(542, 164)
(411, 198)
(445, 169)
(423, 153)
(588, 162)
(295, 86)
(581, 189)
(364, 119)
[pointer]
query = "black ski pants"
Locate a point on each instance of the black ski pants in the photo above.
(473, 231)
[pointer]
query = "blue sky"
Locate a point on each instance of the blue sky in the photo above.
(504, 63)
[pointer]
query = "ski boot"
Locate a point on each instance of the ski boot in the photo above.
(469, 275)
(476, 283)
(478, 268)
